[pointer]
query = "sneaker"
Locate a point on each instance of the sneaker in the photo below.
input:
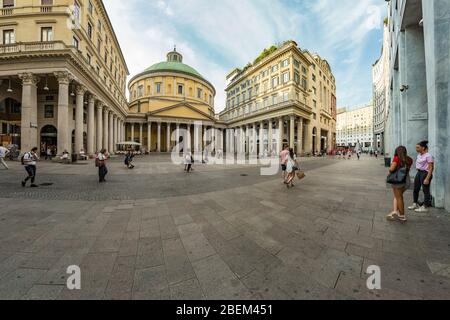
(414, 207)
(422, 209)
(23, 184)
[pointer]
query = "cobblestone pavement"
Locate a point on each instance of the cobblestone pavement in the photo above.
(222, 232)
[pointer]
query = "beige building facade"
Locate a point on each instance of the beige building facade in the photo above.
(287, 96)
(63, 85)
(62, 76)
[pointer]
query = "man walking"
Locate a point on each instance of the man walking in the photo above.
(3, 153)
(101, 164)
(29, 160)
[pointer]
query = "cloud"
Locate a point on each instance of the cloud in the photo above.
(217, 36)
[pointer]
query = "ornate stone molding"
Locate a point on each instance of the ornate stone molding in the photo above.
(63, 77)
(29, 79)
(92, 99)
(80, 90)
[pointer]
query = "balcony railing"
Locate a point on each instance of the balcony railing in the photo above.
(6, 11)
(46, 9)
(229, 115)
(20, 47)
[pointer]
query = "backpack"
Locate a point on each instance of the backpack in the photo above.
(22, 159)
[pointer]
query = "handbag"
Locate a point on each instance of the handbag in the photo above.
(399, 176)
(301, 175)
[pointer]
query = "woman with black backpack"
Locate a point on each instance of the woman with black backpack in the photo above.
(400, 181)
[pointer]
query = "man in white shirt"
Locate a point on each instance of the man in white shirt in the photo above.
(29, 160)
(3, 153)
(101, 164)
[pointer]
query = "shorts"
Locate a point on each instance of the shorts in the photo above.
(283, 167)
(405, 185)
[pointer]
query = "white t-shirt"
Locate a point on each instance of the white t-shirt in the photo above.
(29, 159)
(3, 152)
(101, 157)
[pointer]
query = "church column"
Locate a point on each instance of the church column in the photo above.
(178, 137)
(159, 137)
(29, 127)
(115, 120)
(149, 136)
(141, 135)
(168, 137)
(132, 131)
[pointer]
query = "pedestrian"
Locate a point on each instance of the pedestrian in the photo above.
(425, 168)
(29, 160)
(129, 159)
(205, 156)
(100, 162)
(188, 159)
(3, 153)
(65, 157)
(400, 182)
(349, 154)
(283, 160)
(358, 154)
(291, 167)
(376, 154)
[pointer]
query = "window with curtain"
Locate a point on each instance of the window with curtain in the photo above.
(47, 2)
(8, 3)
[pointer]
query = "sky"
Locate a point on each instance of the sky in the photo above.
(216, 36)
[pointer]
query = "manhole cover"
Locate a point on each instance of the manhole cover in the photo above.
(46, 184)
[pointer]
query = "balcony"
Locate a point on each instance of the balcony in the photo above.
(7, 11)
(31, 47)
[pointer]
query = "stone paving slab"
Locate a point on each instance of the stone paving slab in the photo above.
(157, 233)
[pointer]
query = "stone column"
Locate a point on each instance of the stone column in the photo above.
(188, 138)
(292, 132)
(29, 125)
(255, 139)
(168, 137)
(159, 137)
(91, 126)
(132, 131)
(280, 134)
(300, 136)
(308, 137)
(115, 132)
(79, 114)
(149, 136)
(196, 138)
(99, 127)
(247, 139)
(111, 133)
(64, 134)
(178, 137)
(106, 128)
(270, 136)
(141, 134)
(261, 138)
